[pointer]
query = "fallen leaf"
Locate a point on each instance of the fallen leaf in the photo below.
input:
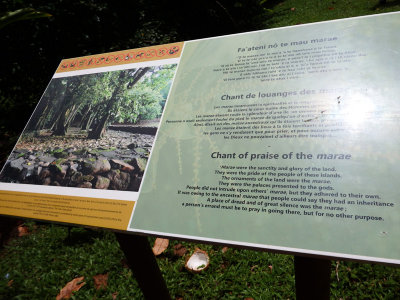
(179, 250)
(9, 284)
(248, 298)
(160, 245)
(293, 9)
(331, 8)
(337, 270)
(100, 281)
(253, 267)
(22, 230)
(224, 249)
(114, 295)
(72, 286)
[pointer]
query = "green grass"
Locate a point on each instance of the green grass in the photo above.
(294, 12)
(235, 274)
(41, 263)
(38, 266)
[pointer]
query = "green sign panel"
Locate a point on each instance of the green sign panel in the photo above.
(285, 139)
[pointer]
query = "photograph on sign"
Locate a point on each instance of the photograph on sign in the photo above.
(82, 155)
(92, 131)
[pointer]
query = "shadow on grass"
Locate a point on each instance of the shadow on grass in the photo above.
(80, 236)
(270, 5)
(386, 4)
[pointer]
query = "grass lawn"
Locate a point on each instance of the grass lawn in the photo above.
(40, 264)
(295, 12)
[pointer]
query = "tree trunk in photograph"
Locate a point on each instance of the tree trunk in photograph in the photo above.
(60, 128)
(85, 117)
(44, 107)
(99, 129)
(72, 115)
(89, 122)
(89, 117)
(39, 114)
(64, 108)
(42, 120)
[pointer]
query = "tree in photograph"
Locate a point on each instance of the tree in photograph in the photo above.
(45, 108)
(126, 80)
(147, 99)
(90, 102)
(65, 106)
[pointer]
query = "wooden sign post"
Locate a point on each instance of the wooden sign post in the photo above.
(144, 266)
(313, 277)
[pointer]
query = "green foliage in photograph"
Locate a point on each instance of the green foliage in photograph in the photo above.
(146, 101)
(91, 102)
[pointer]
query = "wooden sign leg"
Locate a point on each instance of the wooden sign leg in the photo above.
(7, 225)
(144, 266)
(312, 278)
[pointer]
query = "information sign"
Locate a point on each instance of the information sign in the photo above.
(284, 139)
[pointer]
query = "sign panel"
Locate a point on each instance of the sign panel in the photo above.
(283, 139)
